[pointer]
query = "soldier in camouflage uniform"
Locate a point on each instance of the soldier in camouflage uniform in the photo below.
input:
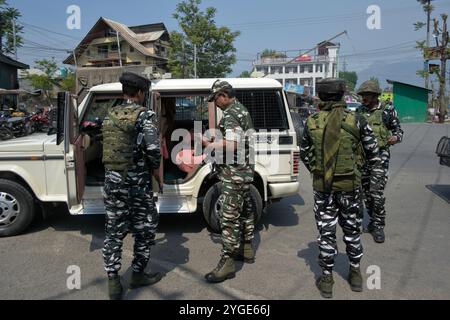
(131, 150)
(333, 145)
(383, 119)
(236, 175)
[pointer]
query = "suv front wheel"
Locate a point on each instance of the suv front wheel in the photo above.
(212, 205)
(16, 208)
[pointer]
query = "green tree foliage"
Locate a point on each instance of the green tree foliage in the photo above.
(270, 53)
(69, 82)
(245, 74)
(350, 77)
(7, 16)
(215, 49)
(47, 80)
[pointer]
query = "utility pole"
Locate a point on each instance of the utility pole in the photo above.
(14, 37)
(183, 61)
(74, 58)
(195, 61)
(118, 48)
(427, 76)
(2, 25)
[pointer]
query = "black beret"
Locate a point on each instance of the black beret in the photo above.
(130, 79)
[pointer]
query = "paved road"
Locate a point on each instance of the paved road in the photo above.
(414, 262)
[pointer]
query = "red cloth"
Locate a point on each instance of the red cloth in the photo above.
(187, 161)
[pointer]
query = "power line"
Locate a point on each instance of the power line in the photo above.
(50, 31)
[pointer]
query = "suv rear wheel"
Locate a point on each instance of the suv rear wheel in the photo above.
(212, 205)
(16, 208)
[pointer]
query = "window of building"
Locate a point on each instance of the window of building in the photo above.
(290, 69)
(114, 47)
(131, 49)
(319, 67)
(309, 68)
(306, 82)
(274, 70)
(102, 50)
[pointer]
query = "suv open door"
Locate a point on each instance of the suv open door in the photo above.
(68, 133)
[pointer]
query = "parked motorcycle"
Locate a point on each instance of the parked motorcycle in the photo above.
(40, 121)
(5, 131)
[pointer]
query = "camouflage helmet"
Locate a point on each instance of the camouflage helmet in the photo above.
(370, 86)
(331, 86)
(219, 86)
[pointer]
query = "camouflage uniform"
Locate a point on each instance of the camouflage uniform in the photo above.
(237, 210)
(128, 197)
(374, 199)
(343, 203)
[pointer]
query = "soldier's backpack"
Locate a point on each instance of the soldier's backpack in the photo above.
(119, 136)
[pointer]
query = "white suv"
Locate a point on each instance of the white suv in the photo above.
(68, 167)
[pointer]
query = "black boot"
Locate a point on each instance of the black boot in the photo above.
(225, 270)
(325, 285)
(378, 235)
(355, 279)
(115, 288)
(142, 279)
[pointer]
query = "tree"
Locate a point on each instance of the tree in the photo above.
(422, 45)
(245, 74)
(8, 16)
(69, 82)
(270, 53)
(214, 45)
(46, 80)
(350, 77)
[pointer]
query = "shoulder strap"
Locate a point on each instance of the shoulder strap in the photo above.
(353, 130)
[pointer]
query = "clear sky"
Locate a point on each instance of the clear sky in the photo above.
(276, 24)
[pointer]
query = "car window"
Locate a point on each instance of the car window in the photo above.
(191, 108)
(266, 108)
(100, 104)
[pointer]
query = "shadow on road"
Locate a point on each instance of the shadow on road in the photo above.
(310, 256)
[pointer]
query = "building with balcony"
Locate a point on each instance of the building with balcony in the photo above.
(303, 70)
(112, 44)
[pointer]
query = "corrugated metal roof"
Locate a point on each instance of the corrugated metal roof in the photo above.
(407, 84)
(149, 36)
(130, 37)
(12, 62)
